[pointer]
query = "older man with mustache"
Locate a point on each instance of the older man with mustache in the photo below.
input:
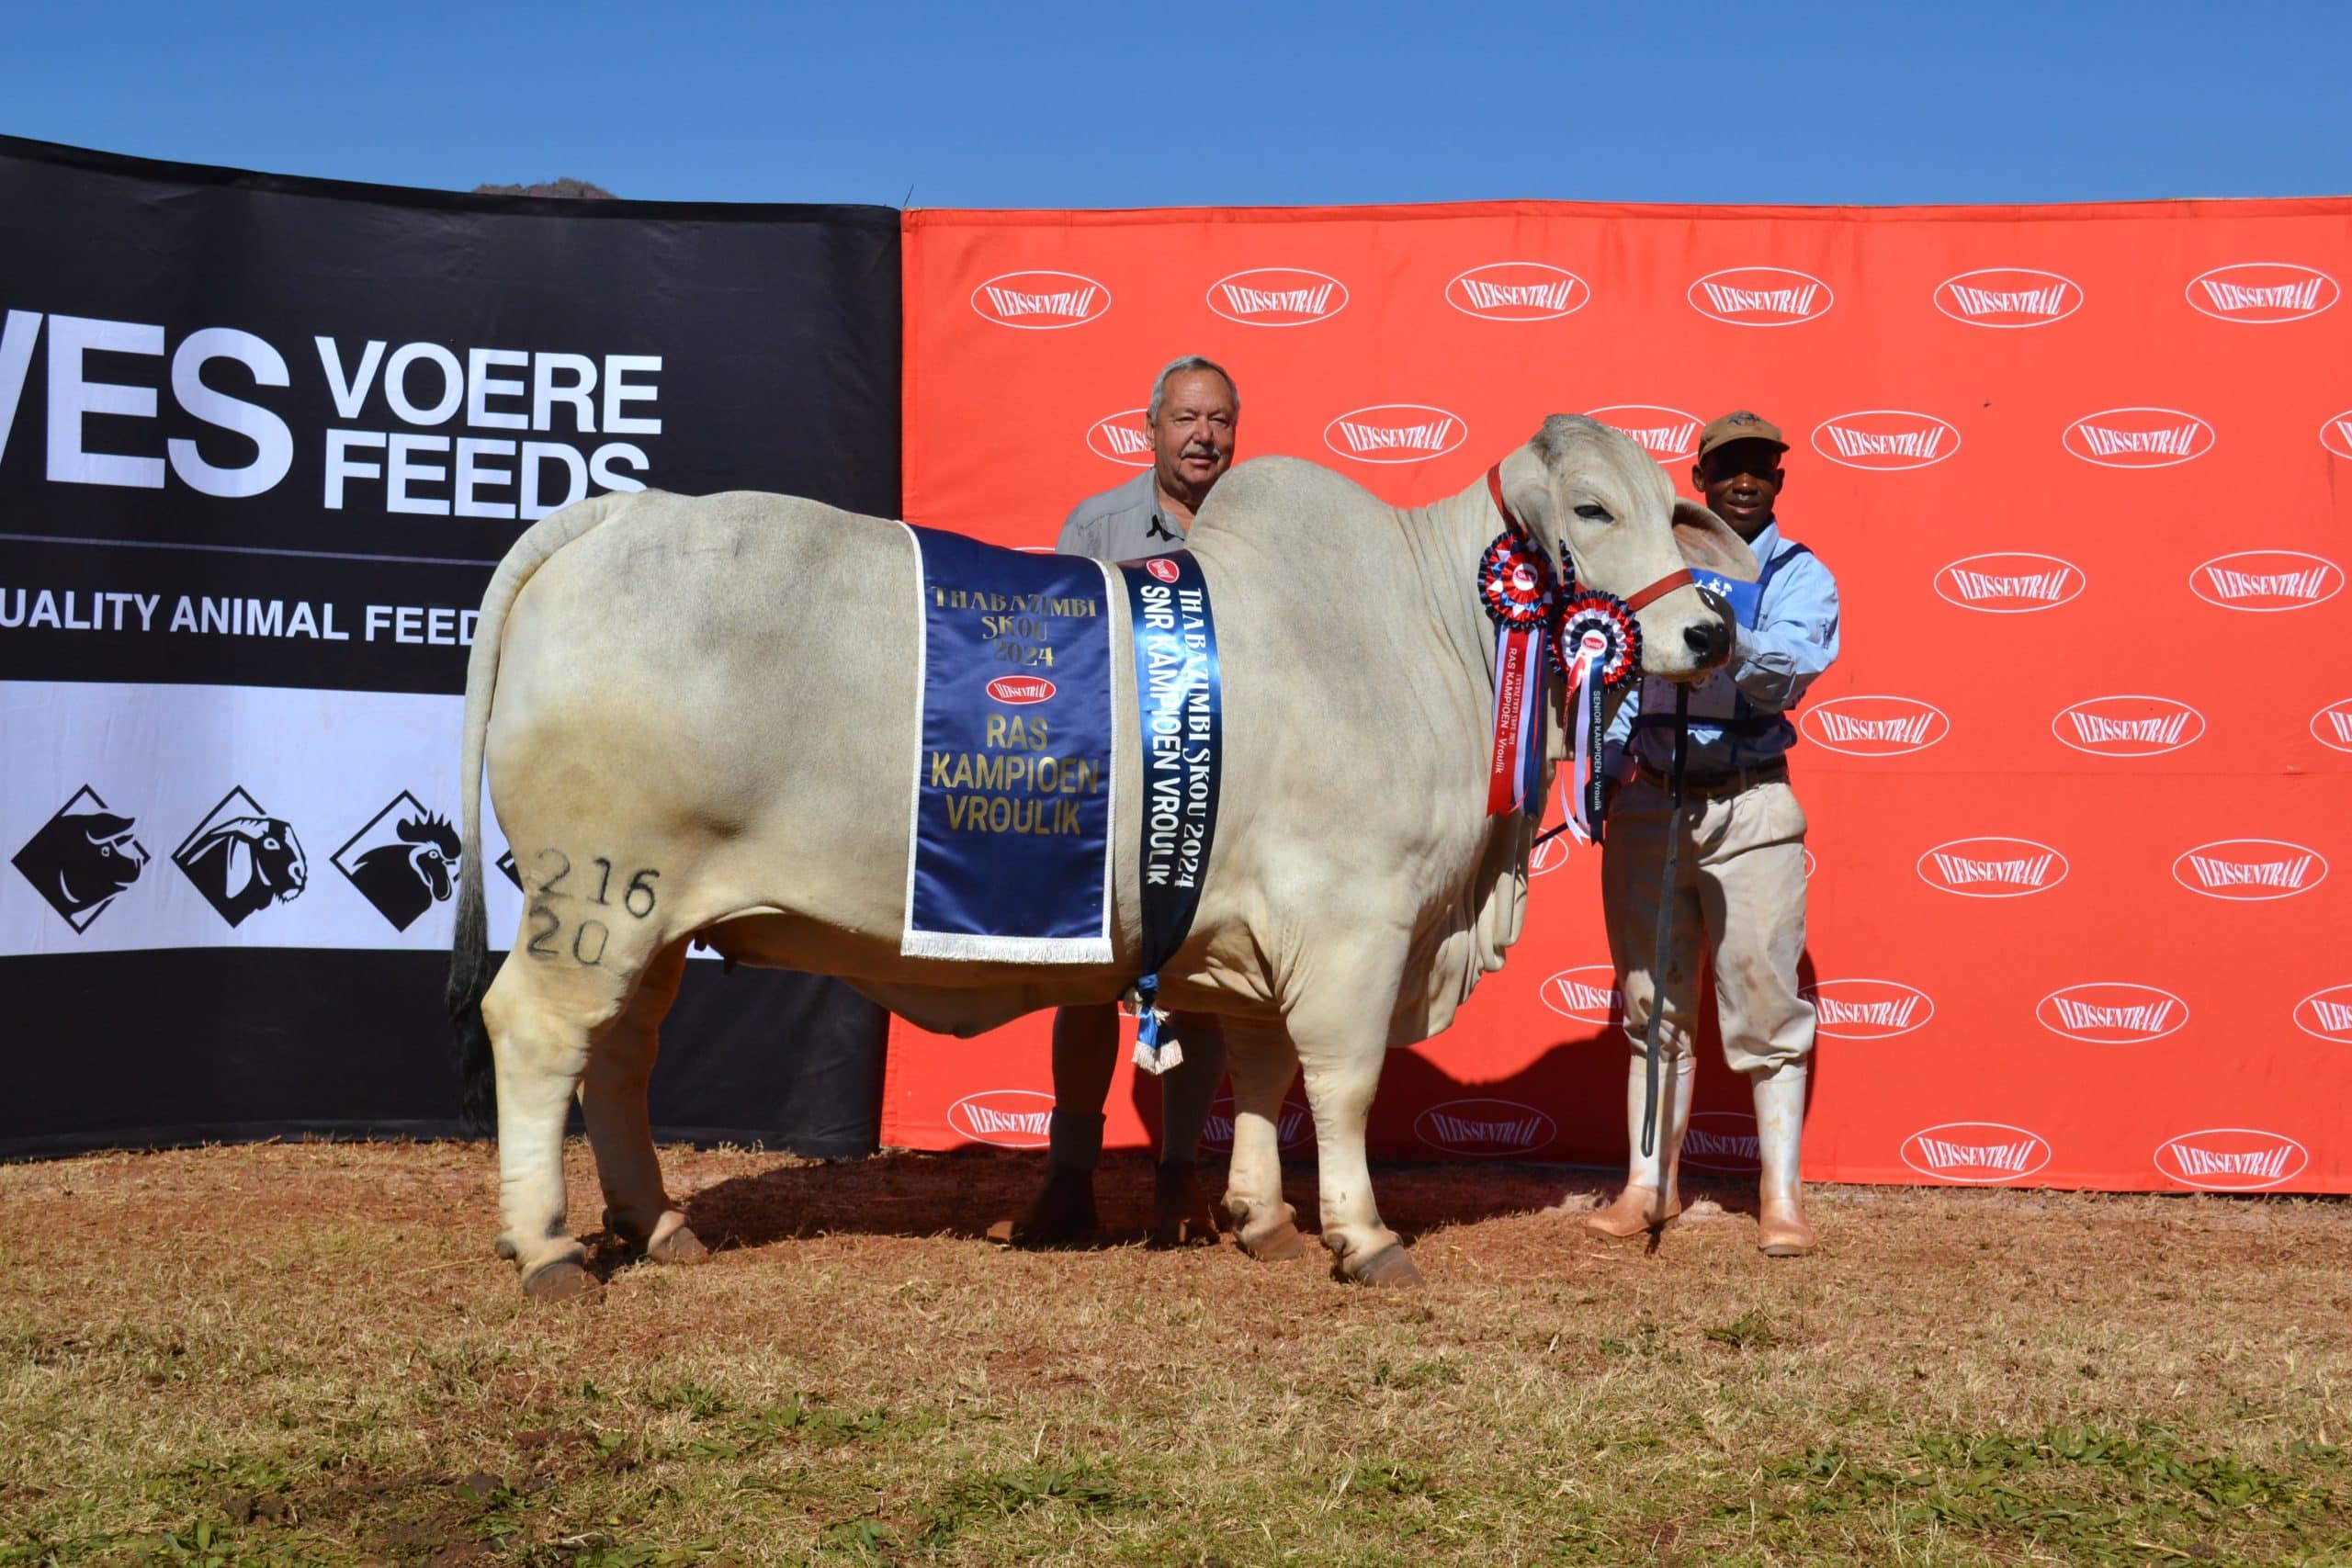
(1191, 417)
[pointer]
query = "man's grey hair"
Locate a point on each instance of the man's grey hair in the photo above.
(1178, 367)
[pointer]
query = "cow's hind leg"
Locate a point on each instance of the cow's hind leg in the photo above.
(612, 1095)
(542, 1012)
(1262, 1062)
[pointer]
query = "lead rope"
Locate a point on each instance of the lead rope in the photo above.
(1663, 953)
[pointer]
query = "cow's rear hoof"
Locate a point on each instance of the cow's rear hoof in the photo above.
(561, 1281)
(1279, 1245)
(680, 1246)
(1061, 1214)
(1179, 1215)
(1389, 1268)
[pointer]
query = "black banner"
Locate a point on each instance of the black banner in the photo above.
(261, 442)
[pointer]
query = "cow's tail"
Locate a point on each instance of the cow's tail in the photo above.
(470, 968)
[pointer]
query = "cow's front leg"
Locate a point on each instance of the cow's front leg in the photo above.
(1262, 1062)
(612, 1097)
(1342, 1041)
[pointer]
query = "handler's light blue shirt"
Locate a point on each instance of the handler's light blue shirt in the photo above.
(1739, 713)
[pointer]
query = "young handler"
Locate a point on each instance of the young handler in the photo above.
(1740, 880)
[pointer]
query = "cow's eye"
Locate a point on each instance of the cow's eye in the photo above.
(1592, 513)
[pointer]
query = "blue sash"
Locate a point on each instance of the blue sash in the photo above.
(1179, 699)
(1008, 856)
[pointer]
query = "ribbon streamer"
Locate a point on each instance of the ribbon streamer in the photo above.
(1515, 588)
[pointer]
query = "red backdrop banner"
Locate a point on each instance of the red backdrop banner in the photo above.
(2078, 782)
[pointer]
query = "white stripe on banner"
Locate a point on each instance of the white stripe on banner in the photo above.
(141, 817)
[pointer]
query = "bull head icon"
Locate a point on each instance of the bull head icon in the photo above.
(81, 859)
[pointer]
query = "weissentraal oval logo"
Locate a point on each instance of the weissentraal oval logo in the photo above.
(2138, 438)
(1518, 291)
(2250, 871)
(2111, 1012)
(2010, 583)
(1121, 438)
(1041, 301)
(2009, 296)
(2327, 1014)
(2337, 433)
(1396, 432)
(2230, 1159)
(1278, 296)
(1760, 296)
(1485, 1129)
(1867, 1009)
(1668, 434)
(1550, 856)
(1008, 1118)
(2262, 294)
(1020, 691)
(1294, 1125)
(1975, 1154)
(2128, 726)
(1875, 725)
(2332, 726)
(1885, 439)
(1993, 867)
(1588, 993)
(2265, 582)
(1724, 1142)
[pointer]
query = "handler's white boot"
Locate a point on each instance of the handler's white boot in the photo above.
(1652, 1199)
(1780, 1228)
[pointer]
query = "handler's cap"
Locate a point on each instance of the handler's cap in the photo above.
(1739, 426)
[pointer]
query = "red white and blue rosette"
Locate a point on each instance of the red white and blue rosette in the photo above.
(1515, 583)
(1515, 588)
(1600, 648)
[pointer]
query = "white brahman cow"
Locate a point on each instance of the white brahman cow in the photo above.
(697, 716)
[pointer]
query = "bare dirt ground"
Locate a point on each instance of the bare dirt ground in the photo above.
(306, 1353)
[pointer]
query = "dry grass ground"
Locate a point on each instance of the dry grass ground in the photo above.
(306, 1353)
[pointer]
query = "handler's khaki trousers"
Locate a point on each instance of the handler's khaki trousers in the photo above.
(1739, 888)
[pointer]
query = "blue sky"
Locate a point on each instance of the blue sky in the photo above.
(1127, 104)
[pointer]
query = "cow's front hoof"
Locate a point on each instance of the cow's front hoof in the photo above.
(677, 1245)
(1389, 1268)
(565, 1280)
(1268, 1232)
(1180, 1216)
(1277, 1243)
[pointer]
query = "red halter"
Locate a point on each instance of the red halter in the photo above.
(1679, 578)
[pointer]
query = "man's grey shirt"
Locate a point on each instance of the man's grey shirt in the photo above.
(1124, 523)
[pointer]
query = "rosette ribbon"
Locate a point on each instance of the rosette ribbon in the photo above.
(1515, 588)
(1600, 649)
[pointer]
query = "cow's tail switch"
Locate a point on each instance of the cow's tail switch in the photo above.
(470, 968)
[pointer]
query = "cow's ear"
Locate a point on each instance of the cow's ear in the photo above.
(1708, 543)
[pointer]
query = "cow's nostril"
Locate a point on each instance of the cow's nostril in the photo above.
(1707, 640)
